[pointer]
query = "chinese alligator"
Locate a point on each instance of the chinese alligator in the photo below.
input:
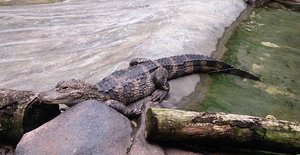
(143, 78)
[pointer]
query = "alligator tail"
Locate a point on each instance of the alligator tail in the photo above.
(192, 63)
(238, 72)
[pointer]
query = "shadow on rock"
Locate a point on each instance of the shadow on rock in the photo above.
(90, 127)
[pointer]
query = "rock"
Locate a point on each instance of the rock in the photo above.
(140, 145)
(90, 127)
(180, 89)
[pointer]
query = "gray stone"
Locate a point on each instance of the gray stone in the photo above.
(140, 145)
(90, 127)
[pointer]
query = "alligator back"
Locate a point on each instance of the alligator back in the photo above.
(131, 84)
(136, 82)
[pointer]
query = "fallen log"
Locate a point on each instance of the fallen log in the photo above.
(222, 130)
(20, 112)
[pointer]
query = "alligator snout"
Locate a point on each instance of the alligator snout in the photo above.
(44, 97)
(52, 96)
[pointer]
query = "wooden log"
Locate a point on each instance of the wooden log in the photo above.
(20, 112)
(222, 130)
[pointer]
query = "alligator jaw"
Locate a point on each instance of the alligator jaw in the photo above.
(54, 97)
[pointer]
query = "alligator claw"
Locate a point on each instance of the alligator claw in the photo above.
(136, 112)
(158, 95)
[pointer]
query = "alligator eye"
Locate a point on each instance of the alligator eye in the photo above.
(64, 88)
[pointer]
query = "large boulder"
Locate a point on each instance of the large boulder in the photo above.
(90, 127)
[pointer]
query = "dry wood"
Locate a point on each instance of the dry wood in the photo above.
(221, 129)
(20, 112)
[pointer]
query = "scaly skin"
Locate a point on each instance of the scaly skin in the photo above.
(143, 78)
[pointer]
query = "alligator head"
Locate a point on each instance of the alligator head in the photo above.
(69, 92)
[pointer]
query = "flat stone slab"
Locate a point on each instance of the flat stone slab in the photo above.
(90, 127)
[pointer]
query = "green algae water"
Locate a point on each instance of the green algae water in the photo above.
(268, 45)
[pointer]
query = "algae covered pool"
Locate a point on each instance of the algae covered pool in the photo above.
(268, 45)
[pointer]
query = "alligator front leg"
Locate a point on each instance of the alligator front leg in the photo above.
(161, 82)
(121, 108)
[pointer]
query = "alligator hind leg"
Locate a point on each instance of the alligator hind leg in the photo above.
(158, 95)
(161, 82)
(121, 108)
(137, 61)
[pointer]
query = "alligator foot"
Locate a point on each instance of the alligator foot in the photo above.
(158, 95)
(121, 108)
